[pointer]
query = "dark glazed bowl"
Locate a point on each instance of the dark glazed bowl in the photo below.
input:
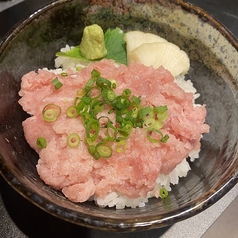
(213, 51)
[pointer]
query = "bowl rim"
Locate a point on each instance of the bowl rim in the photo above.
(93, 221)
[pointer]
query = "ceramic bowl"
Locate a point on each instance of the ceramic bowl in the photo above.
(213, 51)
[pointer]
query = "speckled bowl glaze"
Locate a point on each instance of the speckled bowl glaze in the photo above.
(213, 51)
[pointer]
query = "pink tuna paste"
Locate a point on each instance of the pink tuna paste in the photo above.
(132, 173)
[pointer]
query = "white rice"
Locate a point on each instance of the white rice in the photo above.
(163, 181)
(66, 62)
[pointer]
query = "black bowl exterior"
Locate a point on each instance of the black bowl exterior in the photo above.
(214, 60)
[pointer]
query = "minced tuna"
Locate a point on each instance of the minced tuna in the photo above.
(127, 178)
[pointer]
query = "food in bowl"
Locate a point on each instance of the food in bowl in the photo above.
(111, 132)
(213, 74)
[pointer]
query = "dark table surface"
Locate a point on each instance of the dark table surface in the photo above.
(18, 217)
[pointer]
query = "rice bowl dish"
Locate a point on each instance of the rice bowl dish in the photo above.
(212, 73)
(141, 168)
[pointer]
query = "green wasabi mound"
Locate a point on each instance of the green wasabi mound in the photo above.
(92, 45)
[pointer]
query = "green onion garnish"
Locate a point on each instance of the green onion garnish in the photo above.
(113, 83)
(121, 146)
(96, 107)
(71, 112)
(124, 134)
(91, 149)
(56, 83)
(136, 100)
(80, 93)
(108, 95)
(73, 140)
(103, 150)
(103, 83)
(41, 142)
(144, 112)
(51, 112)
(64, 74)
(111, 132)
(161, 113)
(156, 136)
(164, 138)
(92, 129)
(126, 92)
(149, 123)
(97, 96)
(163, 193)
(94, 92)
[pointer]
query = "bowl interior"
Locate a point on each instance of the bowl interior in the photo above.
(214, 62)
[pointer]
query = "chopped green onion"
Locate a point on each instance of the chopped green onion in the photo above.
(111, 132)
(144, 112)
(86, 117)
(96, 155)
(91, 149)
(161, 113)
(111, 111)
(51, 112)
(95, 73)
(162, 117)
(136, 100)
(80, 93)
(163, 193)
(86, 100)
(128, 115)
(71, 112)
(82, 107)
(97, 95)
(138, 123)
(41, 142)
(127, 126)
(119, 117)
(94, 92)
(149, 123)
(113, 83)
(121, 146)
(126, 92)
(73, 140)
(135, 112)
(92, 129)
(124, 134)
(121, 103)
(152, 135)
(160, 109)
(164, 138)
(104, 150)
(56, 83)
(64, 74)
(89, 142)
(108, 95)
(96, 107)
(103, 83)
(82, 104)
(149, 115)
(102, 122)
(89, 84)
(77, 100)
